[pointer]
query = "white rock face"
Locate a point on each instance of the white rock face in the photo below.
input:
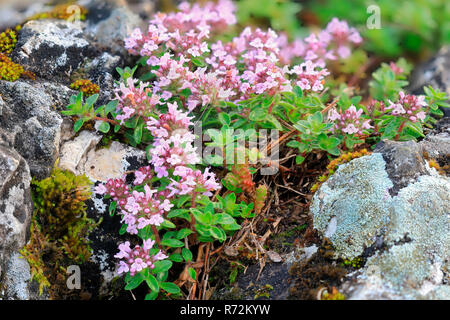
(73, 152)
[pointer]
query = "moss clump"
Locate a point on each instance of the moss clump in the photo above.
(59, 229)
(334, 164)
(263, 292)
(86, 86)
(8, 40)
(11, 71)
(61, 12)
(355, 263)
(333, 295)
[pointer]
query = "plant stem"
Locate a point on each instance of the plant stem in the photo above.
(400, 130)
(157, 238)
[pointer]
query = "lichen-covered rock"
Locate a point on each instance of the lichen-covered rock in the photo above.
(15, 204)
(408, 232)
(30, 123)
(17, 284)
(350, 208)
(50, 48)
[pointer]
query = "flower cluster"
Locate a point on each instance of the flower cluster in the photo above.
(135, 101)
(182, 32)
(136, 259)
(349, 121)
(308, 78)
(409, 107)
(336, 40)
(254, 62)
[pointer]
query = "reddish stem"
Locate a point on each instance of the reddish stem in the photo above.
(157, 238)
(400, 130)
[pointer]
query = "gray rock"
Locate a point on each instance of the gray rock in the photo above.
(109, 30)
(404, 162)
(31, 124)
(407, 232)
(50, 48)
(17, 284)
(435, 72)
(16, 206)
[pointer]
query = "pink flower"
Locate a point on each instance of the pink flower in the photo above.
(349, 121)
(137, 259)
(409, 107)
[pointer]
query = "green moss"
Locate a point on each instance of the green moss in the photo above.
(59, 229)
(8, 40)
(263, 292)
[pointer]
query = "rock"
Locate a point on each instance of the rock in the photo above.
(403, 234)
(404, 162)
(72, 152)
(351, 206)
(31, 124)
(112, 26)
(51, 48)
(435, 72)
(101, 70)
(17, 283)
(16, 206)
(437, 143)
(112, 162)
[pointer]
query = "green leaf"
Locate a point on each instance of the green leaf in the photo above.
(173, 243)
(258, 114)
(298, 91)
(201, 217)
(170, 287)
(299, 159)
(152, 282)
(183, 233)
(138, 132)
(176, 257)
(177, 212)
(111, 106)
(218, 233)
(134, 282)
(224, 118)
(168, 224)
(187, 254)
(123, 229)
(112, 208)
(224, 218)
(192, 273)
(162, 266)
(78, 124)
(151, 296)
(104, 127)
(92, 99)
